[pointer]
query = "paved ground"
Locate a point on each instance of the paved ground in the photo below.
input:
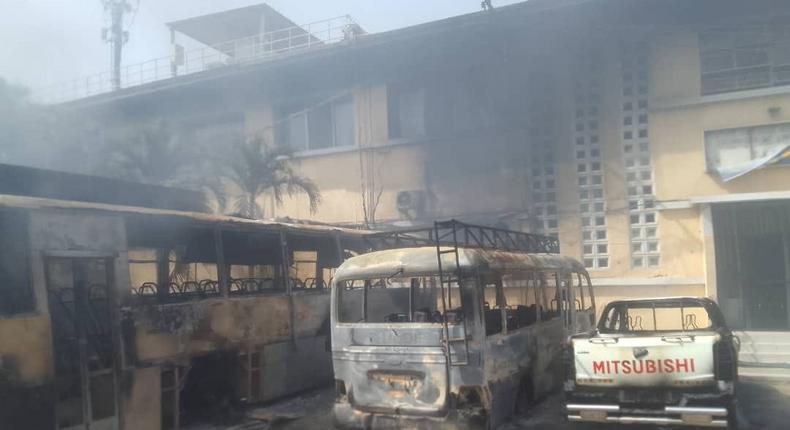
(764, 406)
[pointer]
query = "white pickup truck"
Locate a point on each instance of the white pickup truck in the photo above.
(670, 361)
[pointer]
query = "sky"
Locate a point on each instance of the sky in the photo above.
(44, 42)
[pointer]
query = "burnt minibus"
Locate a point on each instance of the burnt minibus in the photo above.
(454, 336)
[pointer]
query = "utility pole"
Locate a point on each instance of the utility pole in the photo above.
(116, 36)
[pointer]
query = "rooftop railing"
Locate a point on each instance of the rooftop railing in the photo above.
(247, 50)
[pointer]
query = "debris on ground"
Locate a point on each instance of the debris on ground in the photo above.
(309, 411)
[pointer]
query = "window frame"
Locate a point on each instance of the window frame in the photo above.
(395, 92)
(340, 286)
(284, 117)
(749, 130)
(729, 45)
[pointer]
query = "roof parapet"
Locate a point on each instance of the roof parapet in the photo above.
(246, 50)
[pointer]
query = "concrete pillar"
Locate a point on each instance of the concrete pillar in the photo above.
(708, 251)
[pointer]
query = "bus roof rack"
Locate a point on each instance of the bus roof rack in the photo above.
(454, 232)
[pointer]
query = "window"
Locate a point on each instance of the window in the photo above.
(254, 278)
(734, 59)
(323, 126)
(304, 271)
(178, 267)
(17, 295)
(493, 306)
(524, 299)
(397, 300)
(143, 271)
(658, 316)
(552, 296)
(406, 112)
(582, 291)
(734, 151)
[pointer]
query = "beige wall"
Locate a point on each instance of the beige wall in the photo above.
(678, 129)
(678, 126)
(393, 169)
(27, 342)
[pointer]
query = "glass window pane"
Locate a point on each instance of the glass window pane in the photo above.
(727, 147)
(751, 57)
(295, 134)
(344, 122)
(320, 126)
(411, 112)
(717, 61)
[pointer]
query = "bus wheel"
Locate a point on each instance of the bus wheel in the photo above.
(525, 397)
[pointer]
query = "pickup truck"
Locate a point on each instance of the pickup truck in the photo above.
(668, 361)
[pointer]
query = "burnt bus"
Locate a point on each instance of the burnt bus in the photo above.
(126, 317)
(459, 334)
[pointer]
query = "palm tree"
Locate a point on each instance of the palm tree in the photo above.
(257, 168)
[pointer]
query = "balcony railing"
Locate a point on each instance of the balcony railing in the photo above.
(235, 52)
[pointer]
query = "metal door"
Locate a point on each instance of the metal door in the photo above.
(79, 291)
(766, 289)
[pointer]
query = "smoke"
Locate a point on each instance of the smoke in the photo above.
(43, 136)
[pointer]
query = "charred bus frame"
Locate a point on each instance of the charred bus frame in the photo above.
(463, 326)
(119, 310)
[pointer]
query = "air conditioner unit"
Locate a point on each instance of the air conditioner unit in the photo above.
(411, 204)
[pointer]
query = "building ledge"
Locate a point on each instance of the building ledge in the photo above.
(722, 198)
(698, 101)
(741, 197)
(354, 148)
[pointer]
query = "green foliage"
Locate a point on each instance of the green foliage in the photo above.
(257, 168)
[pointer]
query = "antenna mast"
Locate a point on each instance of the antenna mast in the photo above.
(116, 36)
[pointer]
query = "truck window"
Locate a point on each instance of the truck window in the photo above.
(397, 300)
(650, 317)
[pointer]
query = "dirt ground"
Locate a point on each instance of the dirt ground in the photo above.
(764, 406)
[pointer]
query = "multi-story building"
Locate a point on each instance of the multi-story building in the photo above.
(651, 137)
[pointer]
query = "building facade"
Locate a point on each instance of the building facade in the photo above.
(652, 139)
